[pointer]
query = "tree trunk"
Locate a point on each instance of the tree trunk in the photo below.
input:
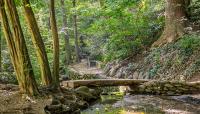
(55, 44)
(17, 48)
(0, 49)
(66, 35)
(76, 33)
(175, 21)
(38, 43)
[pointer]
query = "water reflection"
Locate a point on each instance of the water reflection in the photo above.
(115, 104)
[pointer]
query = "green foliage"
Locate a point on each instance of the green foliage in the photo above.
(189, 43)
(8, 77)
(173, 60)
(114, 29)
(194, 11)
(126, 26)
(153, 71)
(120, 48)
(194, 68)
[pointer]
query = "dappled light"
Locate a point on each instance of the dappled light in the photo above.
(99, 57)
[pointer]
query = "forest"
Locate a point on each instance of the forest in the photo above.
(99, 56)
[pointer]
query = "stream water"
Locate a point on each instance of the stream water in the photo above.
(117, 103)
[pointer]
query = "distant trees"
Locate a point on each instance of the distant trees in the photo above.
(175, 21)
(76, 33)
(66, 34)
(55, 44)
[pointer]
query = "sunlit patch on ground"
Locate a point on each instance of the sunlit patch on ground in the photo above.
(173, 111)
(130, 112)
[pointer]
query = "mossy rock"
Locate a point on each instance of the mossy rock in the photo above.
(84, 93)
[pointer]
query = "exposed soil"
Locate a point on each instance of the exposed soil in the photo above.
(66, 101)
(13, 102)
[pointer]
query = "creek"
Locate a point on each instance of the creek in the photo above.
(120, 103)
(115, 101)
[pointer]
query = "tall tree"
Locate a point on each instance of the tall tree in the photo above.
(38, 43)
(175, 21)
(66, 34)
(76, 32)
(17, 48)
(0, 49)
(55, 44)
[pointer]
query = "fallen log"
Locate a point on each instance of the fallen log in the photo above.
(102, 82)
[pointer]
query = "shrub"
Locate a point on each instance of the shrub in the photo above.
(189, 43)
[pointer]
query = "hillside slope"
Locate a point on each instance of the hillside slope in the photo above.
(174, 61)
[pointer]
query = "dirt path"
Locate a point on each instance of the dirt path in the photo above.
(82, 68)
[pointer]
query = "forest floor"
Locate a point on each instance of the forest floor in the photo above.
(13, 102)
(49, 102)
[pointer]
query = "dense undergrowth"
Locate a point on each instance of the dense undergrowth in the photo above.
(179, 60)
(176, 59)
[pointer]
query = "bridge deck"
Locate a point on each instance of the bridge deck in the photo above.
(141, 86)
(102, 82)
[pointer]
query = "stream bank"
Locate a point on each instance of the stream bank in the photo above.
(143, 104)
(50, 102)
(117, 103)
(79, 101)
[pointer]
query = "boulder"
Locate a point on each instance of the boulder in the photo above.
(85, 93)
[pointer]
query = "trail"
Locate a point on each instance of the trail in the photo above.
(83, 69)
